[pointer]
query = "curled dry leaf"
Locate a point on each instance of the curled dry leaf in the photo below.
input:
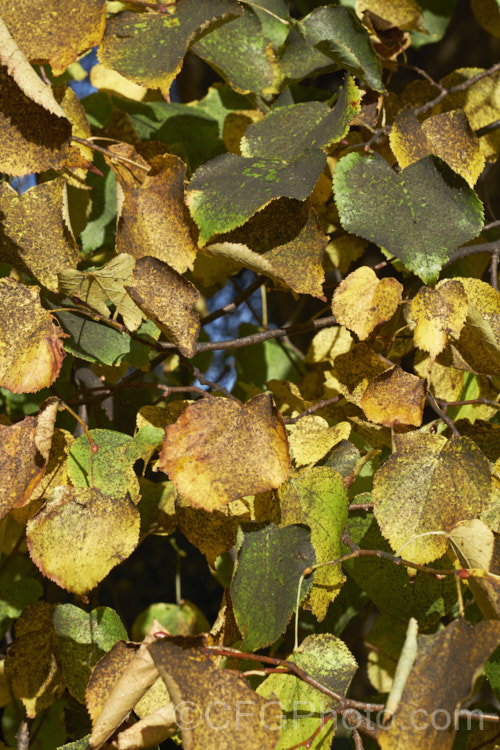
(361, 301)
(65, 539)
(31, 350)
(168, 299)
(24, 450)
(219, 450)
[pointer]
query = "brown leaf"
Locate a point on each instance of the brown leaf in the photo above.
(55, 32)
(168, 299)
(35, 130)
(446, 666)
(361, 302)
(31, 350)
(394, 397)
(33, 663)
(154, 219)
(34, 236)
(215, 708)
(24, 450)
(219, 450)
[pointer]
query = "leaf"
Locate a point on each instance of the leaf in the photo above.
(361, 302)
(438, 313)
(177, 619)
(84, 637)
(477, 546)
(33, 663)
(288, 131)
(228, 190)
(219, 451)
(55, 33)
(441, 679)
(169, 300)
(201, 690)
(154, 220)
(24, 450)
(337, 33)
(110, 469)
(328, 660)
(414, 492)
(448, 136)
(355, 369)
(311, 438)
(394, 397)
(264, 603)
(368, 192)
(18, 589)
(31, 350)
(296, 265)
(130, 38)
(34, 235)
(35, 130)
(65, 537)
(102, 286)
(406, 15)
(223, 50)
(317, 497)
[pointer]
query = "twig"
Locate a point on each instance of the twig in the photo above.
(23, 736)
(487, 128)
(455, 89)
(168, 389)
(485, 401)
(442, 414)
(205, 381)
(483, 247)
(311, 409)
(109, 153)
(360, 506)
(494, 268)
(232, 306)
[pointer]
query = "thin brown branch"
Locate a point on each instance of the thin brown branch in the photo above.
(231, 307)
(108, 153)
(455, 89)
(360, 506)
(205, 381)
(169, 389)
(312, 409)
(485, 401)
(442, 414)
(494, 269)
(489, 128)
(483, 247)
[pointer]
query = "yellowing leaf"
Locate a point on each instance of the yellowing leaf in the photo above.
(394, 397)
(297, 264)
(33, 663)
(35, 130)
(437, 313)
(112, 82)
(415, 492)
(168, 299)
(34, 237)
(105, 285)
(65, 539)
(478, 547)
(48, 31)
(24, 451)
(405, 14)
(447, 135)
(487, 13)
(311, 438)
(354, 370)
(328, 344)
(154, 220)
(31, 350)
(361, 301)
(219, 451)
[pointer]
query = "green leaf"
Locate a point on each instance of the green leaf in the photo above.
(264, 587)
(149, 48)
(178, 619)
(84, 637)
(403, 213)
(492, 671)
(336, 32)
(17, 590)
(328, 660)
(81, 744)
(100, 228)
(230, 48)
(287, 132)
(317, 497)
(227, 191)
(436, 17)
(110, 469)
(266, 361)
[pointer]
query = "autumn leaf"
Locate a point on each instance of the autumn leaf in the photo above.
(394, 397)
(414, 492)
(31, 350)
(437, 313)
(65, 537)
(477, 546)
(169, 300)
(361, 302)
(355, 369)
(311, 438)
(406, 14)
(219, 451)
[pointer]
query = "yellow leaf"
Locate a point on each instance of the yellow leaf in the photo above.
(437, 313)
(487, 13)
(477, 546)
(311, 438)
(328, 344)
(405, 14)
(354, 370)
(31, 350)
(169, 300)
(219, 450)
(112, 82)
(394, 397)
(65, 539)
(361, 302)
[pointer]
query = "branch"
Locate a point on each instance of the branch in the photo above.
(455, 89)
(312, 409)
(442, 414)
(483, 247)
